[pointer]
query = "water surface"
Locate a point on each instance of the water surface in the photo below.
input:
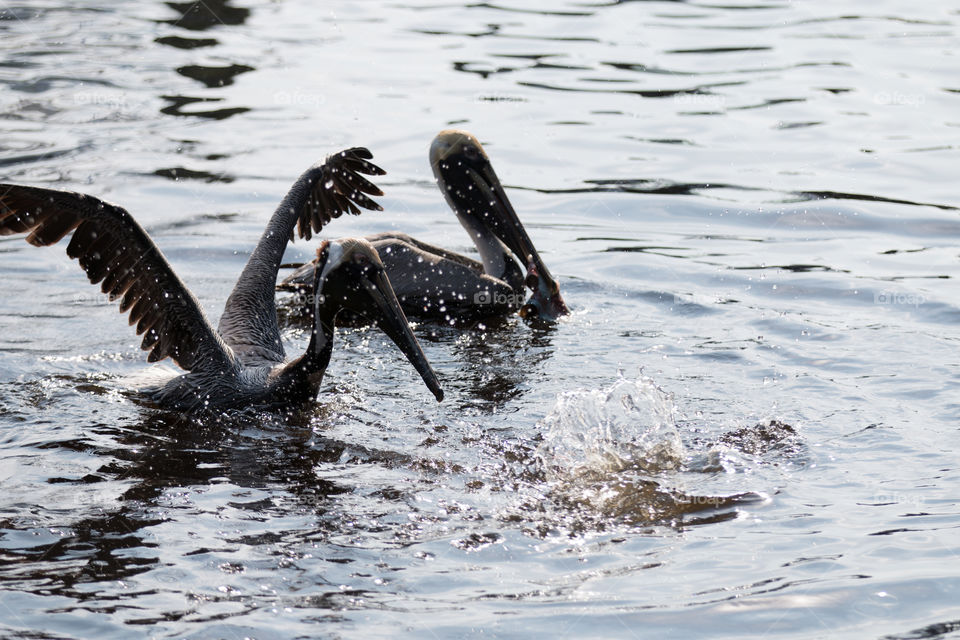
(746, 428)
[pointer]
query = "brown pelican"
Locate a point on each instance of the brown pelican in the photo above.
(433, 282)
(242, 363)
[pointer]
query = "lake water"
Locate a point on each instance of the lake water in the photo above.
(748, 426)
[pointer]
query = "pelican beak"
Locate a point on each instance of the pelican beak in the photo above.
(546, 301)
(382, 308)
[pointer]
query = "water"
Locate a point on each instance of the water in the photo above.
(746, 428)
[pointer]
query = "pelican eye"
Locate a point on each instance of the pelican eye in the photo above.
(471, 152)
(367, 265)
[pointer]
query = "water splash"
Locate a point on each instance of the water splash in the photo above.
(632, 425)
(613, 457)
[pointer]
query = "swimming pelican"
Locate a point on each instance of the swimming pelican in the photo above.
(242, 363)
(433, 282)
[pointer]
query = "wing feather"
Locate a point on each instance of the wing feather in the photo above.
(323, 192)
(336, 186)
(115, 251)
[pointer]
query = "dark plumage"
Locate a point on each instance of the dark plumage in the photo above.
(435, 283)
(242, 362)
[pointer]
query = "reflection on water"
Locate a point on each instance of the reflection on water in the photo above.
(498, 358)
(186, 43)
(495, 357)
(753, 203)
(207, 14)
(214, 76)
(661, 186)
(175, 108)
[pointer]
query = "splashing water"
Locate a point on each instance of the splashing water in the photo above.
(611, 457)
(629, 426)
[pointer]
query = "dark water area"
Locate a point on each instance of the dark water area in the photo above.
(747, 427)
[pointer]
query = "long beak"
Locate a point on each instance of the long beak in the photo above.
(546, 301)
(390, 318)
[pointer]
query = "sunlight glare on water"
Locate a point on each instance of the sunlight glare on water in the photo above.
(753, 203)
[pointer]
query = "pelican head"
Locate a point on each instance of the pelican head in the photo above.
(470, 185)
(350, 275)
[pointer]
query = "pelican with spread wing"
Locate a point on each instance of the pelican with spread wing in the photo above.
(241, 363)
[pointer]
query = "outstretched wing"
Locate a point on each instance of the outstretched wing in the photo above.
(335, 186)
(115, 251)
(323, 192)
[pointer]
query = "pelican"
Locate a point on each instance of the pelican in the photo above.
(242, 363)
(431, 282)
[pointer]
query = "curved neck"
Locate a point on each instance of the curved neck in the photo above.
(264, 262)
(497, 259)
(299, 380)
(250, 314)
